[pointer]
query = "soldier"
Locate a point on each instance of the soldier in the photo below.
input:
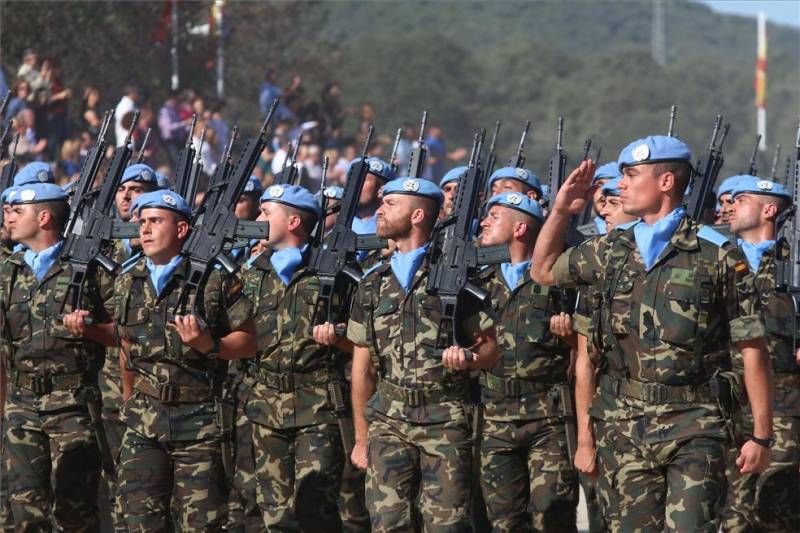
(768, 501)
(364, 222)
(512, 179)
(724, 199)
(409, 403)
(173, 376)
(671, 298)
(602, 175)
(136, 180)
(449, 186)
(528, 480)
(51, 456)
(611, 212)
(299, 455)
(247, 208)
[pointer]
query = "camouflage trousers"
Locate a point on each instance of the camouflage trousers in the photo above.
(111, 390)
(597, 523)
(299, 471)
(159, 479)
(244, 514)
(676, 485)
(528, 482)
(769, 501)
(353, 500)
(52, 467)
(424, 464)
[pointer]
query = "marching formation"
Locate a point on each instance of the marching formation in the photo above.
(399, 354)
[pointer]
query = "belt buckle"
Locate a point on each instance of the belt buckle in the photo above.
(168, 393)
(286, 383)
(413, 397)
(41, 385)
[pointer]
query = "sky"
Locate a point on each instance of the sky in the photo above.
(785, 12)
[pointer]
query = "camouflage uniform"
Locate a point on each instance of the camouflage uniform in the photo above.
(420, 443)
(661, 335)
(51, 454)
(170, 453)
(529, 483)
(6, 520)
(299, 455)
(770, 501)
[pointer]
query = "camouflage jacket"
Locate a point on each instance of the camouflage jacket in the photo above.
(157, 355)
(530, 354)
(35, 338)
(292, 370)
(401, 331)
(672, 325)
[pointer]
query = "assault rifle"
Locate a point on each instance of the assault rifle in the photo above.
(417, 162)
(787, 274)
(773, 169)
(146, 139)
(8, 172)
(183, 172)
(671, 129)
(219, 227)
(491, 159)
(703, 181)
(519, 160)
(751, 167)
(393, 155)
(289, 172)
(556, 170)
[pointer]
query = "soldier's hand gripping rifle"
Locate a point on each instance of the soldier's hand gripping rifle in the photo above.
(457, 261)
(416, 163)
(205, 245)
(704, 178)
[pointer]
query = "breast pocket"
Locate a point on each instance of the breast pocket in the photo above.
(621, 305)
(266, 318)
(17, 317)
(137, 328)
(678, 315)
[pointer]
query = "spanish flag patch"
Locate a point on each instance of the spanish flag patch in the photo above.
(741, 268)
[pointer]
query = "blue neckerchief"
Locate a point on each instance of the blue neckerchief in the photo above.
(41, 262)
(513, 272)
(754, 252)
(160, 274)
(600, 224)
(363, 226)
(286, 261)
(19, 247)
(405, 265)
(652, 239)
(126, 243)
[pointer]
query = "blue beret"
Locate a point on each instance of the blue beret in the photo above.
(293, 196)
(454, 174)
(756, 185)
(10, 192)
(519, 174)
(36, 192)
(545, 199)
(163, 181)
(654, 149)
(331, 192)
(36, 172)
(729, 184)
(162, 199)
(518, 201)
(380, 168)
(415, 187)
(611, 187)
(141, 173)
(253, 186)
(608, 171)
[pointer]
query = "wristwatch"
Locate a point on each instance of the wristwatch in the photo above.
(769, 442)
(213, 353)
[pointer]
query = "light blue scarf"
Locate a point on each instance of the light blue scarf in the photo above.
(513, 272)
(754, 252)
(652, 239)
(406, 265)
(364, 226)
(600, 224)
(41, 262)
(160, 274)
(286, 261)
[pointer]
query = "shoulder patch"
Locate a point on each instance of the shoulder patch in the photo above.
(712, 236)
(131, 262)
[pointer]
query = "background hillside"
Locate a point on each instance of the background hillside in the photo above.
(468, 63)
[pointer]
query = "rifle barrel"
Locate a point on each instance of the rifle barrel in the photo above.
(672, 112)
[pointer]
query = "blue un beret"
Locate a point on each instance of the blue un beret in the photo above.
(331, 192)
(380, 168)
(10, 192)
(454, 174)
(518, 201)
(141, 173)
(293, 196)
(253, 186)
(611, 187)
(36, 172)
(654, 149)
(608, 171)
(756, 185)
(162, 199)
(519, 174)
(729, 184)
(33, 193)
(415, 187)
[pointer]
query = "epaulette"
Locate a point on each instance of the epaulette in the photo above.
(712, 236)
(131, 262)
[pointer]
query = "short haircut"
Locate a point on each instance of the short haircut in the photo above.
(59, 210)
(682, 170)
(307, 218)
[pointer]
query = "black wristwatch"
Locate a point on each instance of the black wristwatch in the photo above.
(769, 442)
(213, 353)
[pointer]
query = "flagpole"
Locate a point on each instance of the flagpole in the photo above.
(174, 80)
(761, 82)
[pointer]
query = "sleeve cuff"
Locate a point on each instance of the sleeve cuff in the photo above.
(746, 328)
(357, 333)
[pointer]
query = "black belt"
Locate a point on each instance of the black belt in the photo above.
(513, 387)
(170, 393)
(41, 384)
(659, 393)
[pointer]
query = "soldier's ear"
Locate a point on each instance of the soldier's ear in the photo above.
(667, 181)
(183, 228)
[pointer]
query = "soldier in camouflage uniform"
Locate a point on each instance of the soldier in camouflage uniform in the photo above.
(528, 480)
(412, 431)
(449, 186)
(769, 501)
(299, 455)
(50, 456)
(671, 298)
(170, 462)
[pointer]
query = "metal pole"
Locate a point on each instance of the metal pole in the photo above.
(174, 81)
(219, 17)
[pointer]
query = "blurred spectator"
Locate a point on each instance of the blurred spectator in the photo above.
(29, 70)
(127, 104)
(339, 174)
(30, 146)
(3, 83)
(171, 127)
(70, 162)
(198, 106)
(40, 107)
(331, 114)
(20, 98)
(91, 118)
(218, 124)
(185, 105)
(407, 142)
(58, 96)
(209, 149)
(146, 121)
(435, 165)
(312, 162)
(268, 92)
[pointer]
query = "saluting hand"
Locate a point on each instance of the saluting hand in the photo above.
(192, 335)
(75, 322)
(576, 189)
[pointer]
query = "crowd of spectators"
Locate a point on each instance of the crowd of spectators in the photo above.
(40, 107)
